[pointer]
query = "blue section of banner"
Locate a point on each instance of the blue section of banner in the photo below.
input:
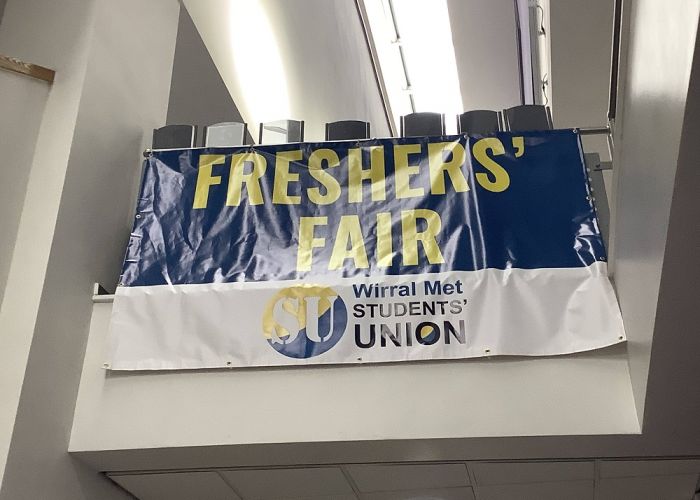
(543, 219)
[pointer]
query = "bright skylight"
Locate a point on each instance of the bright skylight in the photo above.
(425, 40)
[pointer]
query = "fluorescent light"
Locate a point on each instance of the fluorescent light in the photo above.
(428, 56)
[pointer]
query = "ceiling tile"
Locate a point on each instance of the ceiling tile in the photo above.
(679, 487)
(322, 497)
(434, 494)
(268, 484)
(486, 473)
(569, 490)
(176, 486)
(633, 468)
(408, 477)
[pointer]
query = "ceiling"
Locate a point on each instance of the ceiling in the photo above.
(575, 480)
(317, 66)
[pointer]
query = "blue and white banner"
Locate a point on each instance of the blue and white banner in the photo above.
(372, 251)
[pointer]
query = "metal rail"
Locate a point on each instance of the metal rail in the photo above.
(519, 43)
(593, 130)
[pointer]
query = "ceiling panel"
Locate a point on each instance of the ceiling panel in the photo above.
(617, 480)
(569, 490)
(679, 487)
(533, 472)
(322, 497)
(289, 483)
(631, 468)
(370, 478)
(435, 494)
(176, 486)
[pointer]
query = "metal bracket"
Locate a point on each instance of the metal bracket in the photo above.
(600, 198)
(100, 294)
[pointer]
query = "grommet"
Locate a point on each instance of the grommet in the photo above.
(105, 365)
(621, 337)
(138, 216)
(487, 351)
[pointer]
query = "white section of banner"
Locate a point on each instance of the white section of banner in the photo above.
(410, 317)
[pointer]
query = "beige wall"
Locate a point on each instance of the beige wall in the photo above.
(22, 101)
(198, 95)
(486, 51)
(113, 63)
(579, 35)
(67, 53)
(651, 118)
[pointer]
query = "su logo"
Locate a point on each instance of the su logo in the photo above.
(304, 321)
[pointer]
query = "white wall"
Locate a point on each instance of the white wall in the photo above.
(580, 41)
(113, 63)
(198, 95)
(22, 101)
(326, 68)
(486, 51)
(256, 409)
(67, 51)
(662, 43)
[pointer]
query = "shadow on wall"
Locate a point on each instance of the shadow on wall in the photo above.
(198, 95)
(2, 9)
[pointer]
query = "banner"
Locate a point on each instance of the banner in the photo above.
(372, 251)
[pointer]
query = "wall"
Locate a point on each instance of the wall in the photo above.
(113, 73)
(315, 65)
(658, 47)
(486, 51)
(198, 95)
(67, 53)
(301, 415)
(22, 101)
(674, 359)
(490, 409)
(660, 53)
(580, 40)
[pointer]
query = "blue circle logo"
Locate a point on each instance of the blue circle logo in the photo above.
(304, 321)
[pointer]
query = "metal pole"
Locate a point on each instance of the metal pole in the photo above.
(615, 60)
(401, 55)
(593, 130)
